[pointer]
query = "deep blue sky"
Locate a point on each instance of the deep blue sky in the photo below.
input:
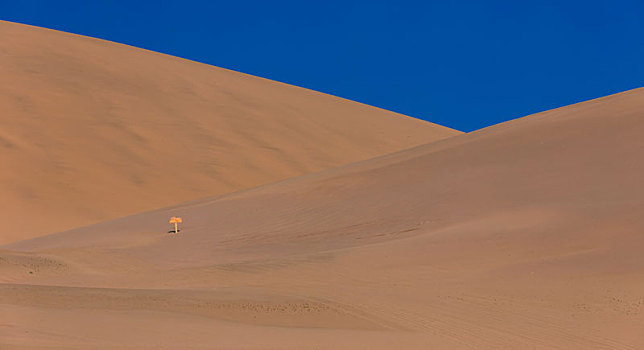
(463, 64)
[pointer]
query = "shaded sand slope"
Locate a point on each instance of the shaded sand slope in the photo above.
(92, 130)
(523, 235)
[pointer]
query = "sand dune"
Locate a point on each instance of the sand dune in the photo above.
(524, 235)
(93, 130)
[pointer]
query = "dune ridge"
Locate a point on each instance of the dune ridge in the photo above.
(94, 130)
(523, 235)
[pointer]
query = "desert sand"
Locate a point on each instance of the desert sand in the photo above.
(522, 235)
(128, 130)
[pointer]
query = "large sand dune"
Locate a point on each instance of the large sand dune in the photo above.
(92, 130)
(524, 235)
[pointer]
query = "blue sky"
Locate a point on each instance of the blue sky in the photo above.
(463, 64)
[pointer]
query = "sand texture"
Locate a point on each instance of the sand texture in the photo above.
(91, 130)
(523, 235)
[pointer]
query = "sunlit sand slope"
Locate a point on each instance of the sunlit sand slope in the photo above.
(93, 130)
(524, 235)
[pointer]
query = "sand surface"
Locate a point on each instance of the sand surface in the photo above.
(523, 235)
(91, 130)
